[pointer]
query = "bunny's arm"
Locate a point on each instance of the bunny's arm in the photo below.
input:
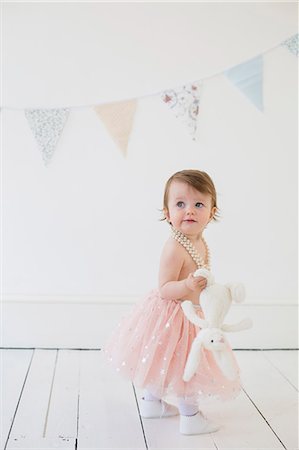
(242, 325)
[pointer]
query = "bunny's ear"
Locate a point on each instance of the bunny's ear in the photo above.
(226, 363)
(237, 292)
(193, 358)
(189, 311)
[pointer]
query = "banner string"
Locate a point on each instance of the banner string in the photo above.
(141, 97)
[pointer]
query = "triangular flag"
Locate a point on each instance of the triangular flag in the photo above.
(118, 119)
(292, 44)
(184, 102)
(248, 77)
(46, 126)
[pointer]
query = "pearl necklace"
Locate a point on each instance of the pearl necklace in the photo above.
(185, 242)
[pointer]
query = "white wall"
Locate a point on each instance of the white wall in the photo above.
(87, 227)
(74, 53)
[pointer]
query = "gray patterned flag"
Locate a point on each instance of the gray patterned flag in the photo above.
(292, 44)
(46, 126)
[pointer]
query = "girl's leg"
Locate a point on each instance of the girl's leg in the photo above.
(187, 409)
(149, 397)
(192, 421)
(151, 406)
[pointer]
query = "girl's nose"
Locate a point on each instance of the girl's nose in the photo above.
(190, 210)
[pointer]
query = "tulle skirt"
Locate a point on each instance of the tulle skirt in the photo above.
(151, 345)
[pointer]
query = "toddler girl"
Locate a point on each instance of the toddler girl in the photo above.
(151, 346)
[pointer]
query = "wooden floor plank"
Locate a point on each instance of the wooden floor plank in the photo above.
(60, 385)
(274, 397)
(286, 361)
(164, 434)
(29, 424)
(241, 426)
(13, 369)
(108, 414)
(39, 443)
(62, 416)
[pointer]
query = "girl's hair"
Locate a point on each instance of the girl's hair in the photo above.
(200, 181)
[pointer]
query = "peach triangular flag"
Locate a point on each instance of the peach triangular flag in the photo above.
(118, 119)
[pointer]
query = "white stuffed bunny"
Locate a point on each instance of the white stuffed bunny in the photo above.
(215, 301)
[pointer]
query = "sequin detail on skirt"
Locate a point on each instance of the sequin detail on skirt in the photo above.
(151, 346)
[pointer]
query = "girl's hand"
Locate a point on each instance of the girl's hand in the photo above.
(194, 283)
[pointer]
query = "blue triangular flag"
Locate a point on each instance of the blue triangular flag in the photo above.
(248, 77)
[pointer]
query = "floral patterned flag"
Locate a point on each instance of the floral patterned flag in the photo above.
(185, 104)
(46, 126)
(248, 77)
(118, 119)
(292, 44)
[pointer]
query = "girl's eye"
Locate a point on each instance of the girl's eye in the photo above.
(180, 204)
(199, 205)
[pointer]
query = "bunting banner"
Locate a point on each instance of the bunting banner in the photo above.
(248, 78)
(46, 126)
(118, 119)
(292, 44)
(184, 102)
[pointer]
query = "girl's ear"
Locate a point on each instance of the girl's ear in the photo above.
(213, 212)
(166, 214)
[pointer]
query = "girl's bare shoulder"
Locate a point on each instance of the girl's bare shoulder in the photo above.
(172, 248)
(171, 262)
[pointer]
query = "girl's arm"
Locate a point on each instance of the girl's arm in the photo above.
(171, 263)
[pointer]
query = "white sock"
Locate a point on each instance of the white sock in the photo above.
(187, 409)
(149, 397)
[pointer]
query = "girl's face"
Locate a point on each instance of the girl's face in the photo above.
(189, 210)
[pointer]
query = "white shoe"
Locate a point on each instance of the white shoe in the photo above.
(156, 409)
(197, 424)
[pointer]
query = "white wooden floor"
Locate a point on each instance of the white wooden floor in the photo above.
(70, 399)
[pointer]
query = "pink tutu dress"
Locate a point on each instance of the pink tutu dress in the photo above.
(151, 345)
